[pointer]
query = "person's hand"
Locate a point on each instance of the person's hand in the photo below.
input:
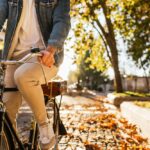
(47, 57)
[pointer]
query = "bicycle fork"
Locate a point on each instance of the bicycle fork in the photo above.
(33, 137)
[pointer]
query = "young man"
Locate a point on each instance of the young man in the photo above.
(33, 23)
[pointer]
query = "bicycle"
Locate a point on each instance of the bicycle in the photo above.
(9, 138)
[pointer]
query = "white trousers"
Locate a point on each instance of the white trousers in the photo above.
(28, 79)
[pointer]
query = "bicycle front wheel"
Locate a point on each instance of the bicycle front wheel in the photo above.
(6, 142)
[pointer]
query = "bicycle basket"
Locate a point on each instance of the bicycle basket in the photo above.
(55, 88)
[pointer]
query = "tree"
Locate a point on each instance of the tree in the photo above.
(89, 12)
(90, 77)
(89, 49)
(133, 23)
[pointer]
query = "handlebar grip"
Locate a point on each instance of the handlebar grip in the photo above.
(35, 50)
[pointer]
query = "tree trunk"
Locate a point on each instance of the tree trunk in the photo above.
(135, 88)
(146, 77)
(147, 83)
(114, 55)
(118, 82)
(111, 41)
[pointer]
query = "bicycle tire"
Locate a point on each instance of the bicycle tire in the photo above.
(6, 140)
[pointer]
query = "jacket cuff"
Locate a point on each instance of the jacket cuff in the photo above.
(55, 43)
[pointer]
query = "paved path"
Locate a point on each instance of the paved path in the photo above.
(93, 125)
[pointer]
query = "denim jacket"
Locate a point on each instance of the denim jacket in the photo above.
(53, 17)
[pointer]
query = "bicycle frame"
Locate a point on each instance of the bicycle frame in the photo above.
(33, 136)
(6, 122)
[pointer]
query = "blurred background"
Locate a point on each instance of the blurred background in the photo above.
(107, 68)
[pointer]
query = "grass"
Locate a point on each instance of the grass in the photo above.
(135, 94)
(142, 104)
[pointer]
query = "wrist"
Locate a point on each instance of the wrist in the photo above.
(51, 49)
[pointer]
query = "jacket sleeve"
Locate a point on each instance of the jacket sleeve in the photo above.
(61, 24)
(3, 12)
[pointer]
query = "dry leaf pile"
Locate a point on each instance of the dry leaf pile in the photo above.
(94, 128)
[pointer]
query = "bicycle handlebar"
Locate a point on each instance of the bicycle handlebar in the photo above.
(34, 52)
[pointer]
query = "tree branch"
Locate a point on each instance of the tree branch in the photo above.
(96, 20)
(101, 27)
(108, 20)
(108, 53)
